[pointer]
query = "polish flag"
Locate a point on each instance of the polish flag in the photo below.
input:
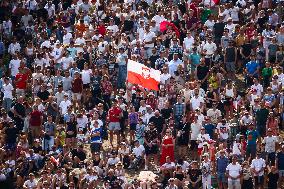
(142, 75)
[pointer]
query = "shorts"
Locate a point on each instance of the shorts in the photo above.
(251, 150)
(193, 145)
(114, 126)
(86, 86)
(221, 177)
(76, 96)
(95, 147)
(230, 66)
(10, 146)
(133, 126)
(152, 150)
(259, 180)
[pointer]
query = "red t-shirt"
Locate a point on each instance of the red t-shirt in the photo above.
(113, 114)
(22, 83)
(102, 30)
(77, 85)
(35, 118)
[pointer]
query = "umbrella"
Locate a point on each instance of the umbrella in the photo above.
(165, 25)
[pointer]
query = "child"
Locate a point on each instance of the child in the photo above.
(133, 121)
(139, 133)
(266, 74)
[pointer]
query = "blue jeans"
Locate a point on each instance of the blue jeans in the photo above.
(7, 104)
(122, 74)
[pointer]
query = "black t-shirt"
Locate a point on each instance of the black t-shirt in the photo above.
(80, 154)
(37, 149)
(166, 112)
(42, 13)
(128, 25)
(11, 135)
(159, 122)
(113, 180)
(219, 29)
(153, 59)
(43, 95)
(183, 138)
(194, 174)
(20, 109)
(202, 71)
(246, 49)
(81, 63)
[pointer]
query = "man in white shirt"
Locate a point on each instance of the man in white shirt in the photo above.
(64, 104)
(188, 41)
(196, 101)
(7, 90)
(214, 113)
(67, 37)
(209, 48)
(257, 166)
(257, 86)
(234, 171)
(270, 142)
(14, 47)
(14, 66)
(148, 41)
(137, 154)
(174, 63)
(112, 27)
(31, 183)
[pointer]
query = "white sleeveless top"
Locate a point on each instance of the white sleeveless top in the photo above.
(229, 92)
(30, 51)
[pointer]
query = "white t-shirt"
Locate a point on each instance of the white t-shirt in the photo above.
(64, 106)
(210, 48)
(56, 53)
(270, 142)
(149, 37)
(67, 38)
(14, 66)
(86, 76)
(113, 28)
(258, 88)
(202, 138)
(196, 102)
(66, 62)
(195, 130)
(223, 130)
(257, 165)
(188, 42)
(8, 90)
(210, 24)
(82, 122)
(30, 184)
(138, 151)
(234, 170)
(214, 115)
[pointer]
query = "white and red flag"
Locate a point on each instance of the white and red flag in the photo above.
(142, 75)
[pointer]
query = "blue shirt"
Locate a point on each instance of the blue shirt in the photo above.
(252, 66)
(222, 163)
(252, 136)
(96, 139)
(209, 129)
(195, 58)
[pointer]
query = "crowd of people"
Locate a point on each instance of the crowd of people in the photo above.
(71, 120)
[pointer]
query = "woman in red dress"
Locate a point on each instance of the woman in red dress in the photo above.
(168, 144)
